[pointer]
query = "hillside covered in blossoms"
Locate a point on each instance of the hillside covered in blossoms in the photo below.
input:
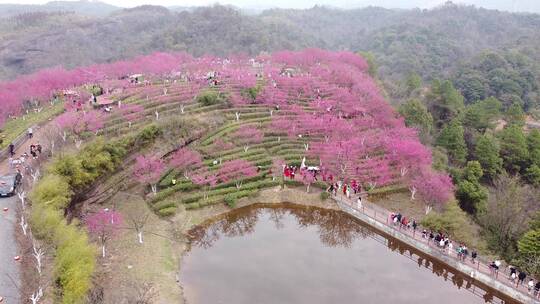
(185, 133)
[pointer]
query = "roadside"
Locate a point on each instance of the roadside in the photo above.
(11, 272)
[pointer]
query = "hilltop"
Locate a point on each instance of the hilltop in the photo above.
(183, 133)
(432, 43)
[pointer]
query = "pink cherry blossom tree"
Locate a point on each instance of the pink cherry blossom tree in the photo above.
(65, 123)
(308, 177)
(236, 170)
(148, 170)
(104, 225)
(186, 160)
(248, 135)
(435, 188)
(132, 112)
(408, 154)
(206, 179)
(278, 166)
(220, 147)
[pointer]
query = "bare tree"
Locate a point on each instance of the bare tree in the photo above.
(138, 222)
(38, 254)
(35, 175)
(508, 210)
(24, 225)
(22, 196)
(36, 296)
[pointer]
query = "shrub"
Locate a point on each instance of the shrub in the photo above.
(148, 134)
(251, 93)
(324, 196)
(70, 168)
(192, 206)
(74, 263)
(454, 221)
(208, 98)
(53, 191)
(45, 222)
(167, 211)
(230, 200)
(164, 204)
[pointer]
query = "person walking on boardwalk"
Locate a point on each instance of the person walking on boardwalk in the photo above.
(474, 254)
(521, 277)
(30, 132)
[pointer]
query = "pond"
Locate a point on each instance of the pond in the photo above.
(295, 254)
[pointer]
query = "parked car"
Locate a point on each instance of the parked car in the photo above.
(9, 183)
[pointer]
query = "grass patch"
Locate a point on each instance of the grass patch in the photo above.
(15, 127)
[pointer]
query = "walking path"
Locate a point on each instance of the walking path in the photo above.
(379, 218)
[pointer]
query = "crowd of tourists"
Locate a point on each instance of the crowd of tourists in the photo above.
(443, 242)
(519, 277)
(21, 163)
(347, 190)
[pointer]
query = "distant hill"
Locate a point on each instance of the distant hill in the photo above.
(433, 43)
(90, 8)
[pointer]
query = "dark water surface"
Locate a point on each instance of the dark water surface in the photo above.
(292, 254)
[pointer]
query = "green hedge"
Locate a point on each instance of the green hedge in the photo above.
(391, 189)
(217, 195)
(167, 211)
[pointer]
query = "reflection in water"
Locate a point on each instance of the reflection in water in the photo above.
(270, 254)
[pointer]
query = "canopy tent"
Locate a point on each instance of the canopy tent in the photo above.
(104, 101)
(70, 93)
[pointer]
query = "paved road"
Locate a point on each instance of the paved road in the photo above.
(9, 269)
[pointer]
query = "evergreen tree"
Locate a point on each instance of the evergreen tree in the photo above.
(470, 193)
(487, 153)
(529, 251)
(371, 61)
(475, 118)
(514, 148)
(416, 115)
(413, 82)
(446, 103)
(533, 142)
(530, 243)
(452, 139)
(515, 115)
(532, 174)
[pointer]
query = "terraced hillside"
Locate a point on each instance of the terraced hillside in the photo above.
(196, 132)
(311, 109)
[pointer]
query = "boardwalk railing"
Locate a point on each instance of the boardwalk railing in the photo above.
(379, 218)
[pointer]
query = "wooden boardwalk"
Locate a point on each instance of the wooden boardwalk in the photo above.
(379, 218)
